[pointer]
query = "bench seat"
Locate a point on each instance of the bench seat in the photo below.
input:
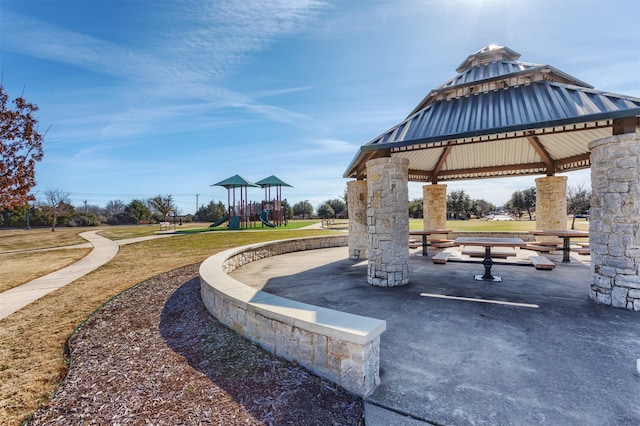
(541, 262)
(441, 257)
(538, 247)
(413, 243)
(582, 250)
(496, 254)
(443, 244)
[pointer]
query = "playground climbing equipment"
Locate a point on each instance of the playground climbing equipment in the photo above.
(242, 213)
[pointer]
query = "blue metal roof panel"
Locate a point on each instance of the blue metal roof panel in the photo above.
(536, 105)
(523, 110)
(488, 71)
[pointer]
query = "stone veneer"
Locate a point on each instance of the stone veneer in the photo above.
(388, 221)
(357, 205)
(614, 223)
(338, 346)
(434, 208)
(551, 204)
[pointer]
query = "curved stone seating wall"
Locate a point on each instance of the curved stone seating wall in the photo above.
(338, 346)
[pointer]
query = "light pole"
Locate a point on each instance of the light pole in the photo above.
(28, 209)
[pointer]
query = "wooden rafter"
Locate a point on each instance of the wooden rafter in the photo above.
(542, 152)
(440, 163)
(575, 159)
(506, 168)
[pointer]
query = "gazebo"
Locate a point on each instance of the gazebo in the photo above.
(500, 117)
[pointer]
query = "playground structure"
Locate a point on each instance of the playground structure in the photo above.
(243, 214)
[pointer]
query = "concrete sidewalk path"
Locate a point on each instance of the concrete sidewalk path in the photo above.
(103, 251)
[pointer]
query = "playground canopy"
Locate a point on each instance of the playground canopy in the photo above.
(236, 181)
(268, 183)
(243, 213)
(238, 214)
(275, 209)
(501, 117)
(272, 181)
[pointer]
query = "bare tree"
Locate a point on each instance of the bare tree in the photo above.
(523, 200)
(20, 149)
(58, 201)
(162, 205)
(114, 210)
(578, 201)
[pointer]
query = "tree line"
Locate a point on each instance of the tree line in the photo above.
(461, 206)
(21, 148)
(54, 208)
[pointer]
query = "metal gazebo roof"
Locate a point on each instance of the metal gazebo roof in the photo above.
(236, 181)
(499, 117)
(271, 181)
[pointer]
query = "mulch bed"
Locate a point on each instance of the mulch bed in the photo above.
(154, 355)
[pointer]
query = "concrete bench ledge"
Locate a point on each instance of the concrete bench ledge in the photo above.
(339, 346)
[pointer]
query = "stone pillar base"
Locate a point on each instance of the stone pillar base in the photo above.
(551, 205)
(388, 221)
(434, 205)
(614, 223)
(357, 205)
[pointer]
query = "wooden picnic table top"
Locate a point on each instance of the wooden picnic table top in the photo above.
(560, 232)
(429, 231)
(489, 242)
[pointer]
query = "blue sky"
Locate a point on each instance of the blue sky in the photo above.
(168, 97)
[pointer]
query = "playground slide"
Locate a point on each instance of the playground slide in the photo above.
(220, 221)
(265, 219)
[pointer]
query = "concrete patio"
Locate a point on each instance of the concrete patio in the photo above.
(532, 349)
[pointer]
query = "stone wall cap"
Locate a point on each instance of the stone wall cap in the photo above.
(626, 137)
(388, 160)
(328, 322)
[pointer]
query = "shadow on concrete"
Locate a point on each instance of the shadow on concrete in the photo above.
(532, 349)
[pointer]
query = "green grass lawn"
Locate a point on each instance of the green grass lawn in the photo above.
(134, 231)
(291, 225)
(480, 225)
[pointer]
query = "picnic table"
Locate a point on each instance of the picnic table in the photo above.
(488, 243)
(566, 235)
(425, 233)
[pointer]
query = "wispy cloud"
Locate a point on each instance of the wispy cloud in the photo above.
(334, 146)
(195, 44)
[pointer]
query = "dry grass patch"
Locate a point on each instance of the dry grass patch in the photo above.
(145, 359)
(20, 268)
(32, 361)
(21, 239)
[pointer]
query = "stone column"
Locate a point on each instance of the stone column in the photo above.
(357, 205)
(614, 222)
(388, 221)
(434, 202)
(551, 204)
